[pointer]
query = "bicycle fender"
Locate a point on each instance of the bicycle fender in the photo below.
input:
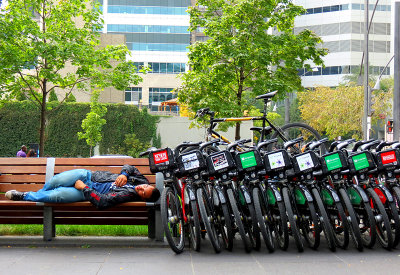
(220, 194)
(361, 191)
(192, 195)
(333, 193)
(246, 193)
(306, 192)
(387, 193)
(277, 194)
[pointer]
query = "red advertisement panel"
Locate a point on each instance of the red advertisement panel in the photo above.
(388, 157)
(160, 157)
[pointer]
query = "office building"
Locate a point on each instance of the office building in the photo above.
(340, 24)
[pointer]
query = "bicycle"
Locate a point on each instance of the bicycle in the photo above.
(282, 134)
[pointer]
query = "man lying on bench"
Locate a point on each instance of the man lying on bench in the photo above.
(102, 188)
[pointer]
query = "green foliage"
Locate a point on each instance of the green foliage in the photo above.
(19, 122)
(70, 98)
(131, 147)
(241, 56)
(53, 97)
(35, 52)
(94, 121)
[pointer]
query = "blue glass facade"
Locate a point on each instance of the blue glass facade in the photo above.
(346, 7)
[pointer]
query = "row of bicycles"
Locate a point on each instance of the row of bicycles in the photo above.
(285, 187)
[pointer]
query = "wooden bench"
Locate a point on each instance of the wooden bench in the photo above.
(30, 174)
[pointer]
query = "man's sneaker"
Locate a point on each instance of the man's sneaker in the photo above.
(15, 195)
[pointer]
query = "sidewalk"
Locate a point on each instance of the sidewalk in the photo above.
(94, 256)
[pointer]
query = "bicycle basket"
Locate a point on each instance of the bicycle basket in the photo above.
(388, 160)
(361, 162)
(277, 161)
(306, 162)
(248, 161)
(220, 162)
(191, 162)
(161, 160)
(333, 163)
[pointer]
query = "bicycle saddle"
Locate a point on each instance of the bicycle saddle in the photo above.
(267, 96)
(266, 130)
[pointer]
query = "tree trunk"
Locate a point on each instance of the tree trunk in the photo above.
(43, 115)
(239, 103)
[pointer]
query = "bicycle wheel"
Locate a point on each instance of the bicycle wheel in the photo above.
(309, 224)
(337, 219)
(250, 223)
(208, 219)
(366, 220)
(354, 228)
(281, 230)
(224, 221)
(396, 196)
(292, 219)
(263, 218)
(383, 227)
(394, 221)
(193, 218)
(172, 221)
(238, 221)
(294, 130)
(325, 224)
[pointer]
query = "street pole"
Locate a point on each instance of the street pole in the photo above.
(396, 91)
(366, 63)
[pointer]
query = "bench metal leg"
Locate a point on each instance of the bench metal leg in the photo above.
(49, 228)
(151, 230)
(159, 232)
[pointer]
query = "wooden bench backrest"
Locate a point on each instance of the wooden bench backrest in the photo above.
(29, 174)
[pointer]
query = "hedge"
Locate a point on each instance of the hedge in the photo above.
(19, 124)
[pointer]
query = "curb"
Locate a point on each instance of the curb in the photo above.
(84, 242)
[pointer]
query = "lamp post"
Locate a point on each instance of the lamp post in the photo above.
(396, 91)
(366, 122)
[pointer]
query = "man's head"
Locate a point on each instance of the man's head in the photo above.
(148, 192)
(23, 148)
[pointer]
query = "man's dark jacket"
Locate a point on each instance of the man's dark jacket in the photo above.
(117, 195)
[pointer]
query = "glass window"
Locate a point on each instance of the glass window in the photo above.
(163, 68)
(128, 96)
(170, 68)
(317, 10)
(344, 7)
(335, 70)
(326, 71)
(327, 9)
(335, 8)
(310, 11)
(355, 6)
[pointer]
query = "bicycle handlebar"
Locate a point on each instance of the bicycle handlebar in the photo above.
(206, 144)
(266, 143)
(316, 144)
(383, 144)
(359, 143)
(236, 143)
(367, 146)
(292, 142)
(344, 144)
(184, 145)
(148, 151)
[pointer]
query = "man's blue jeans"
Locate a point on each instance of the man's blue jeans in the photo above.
(60, 188)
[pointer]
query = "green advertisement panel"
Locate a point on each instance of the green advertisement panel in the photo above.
(326, 197)
(271, 197)
(333, 162)
(354, 197)
(248, 160)
(360, 161)
(300, 198)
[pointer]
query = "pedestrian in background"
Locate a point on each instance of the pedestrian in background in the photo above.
(22, 153)
(31, 153)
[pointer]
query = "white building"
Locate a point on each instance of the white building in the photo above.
(340, 24)
(156, 32)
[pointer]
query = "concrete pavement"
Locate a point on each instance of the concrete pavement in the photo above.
(105, 256)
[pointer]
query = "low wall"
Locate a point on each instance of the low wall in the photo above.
(175, 130)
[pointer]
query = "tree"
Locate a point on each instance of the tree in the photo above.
(338, 112)
(47, 45)
(93, 122)
(241, 57)
(53, 97)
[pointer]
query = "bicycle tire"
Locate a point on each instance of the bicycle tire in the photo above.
(260, 207)
(367, 226)
(291, 218)
(295, 130)
(383, 227)
(252, 226)
(310, 227)
(172, 221)
(396, 203)
(226, 228)
(395, 225)
(192, 214)
(354, 228)
(238, 221)
(208, 219)
(281, 229)
(326, 226)
(338, 221)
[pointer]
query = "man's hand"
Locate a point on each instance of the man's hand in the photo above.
(121, 180)
(79, 185)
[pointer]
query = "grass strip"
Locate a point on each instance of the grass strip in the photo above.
(75, 230)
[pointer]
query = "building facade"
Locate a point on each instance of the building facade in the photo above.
(156, 32)
(340, 24)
